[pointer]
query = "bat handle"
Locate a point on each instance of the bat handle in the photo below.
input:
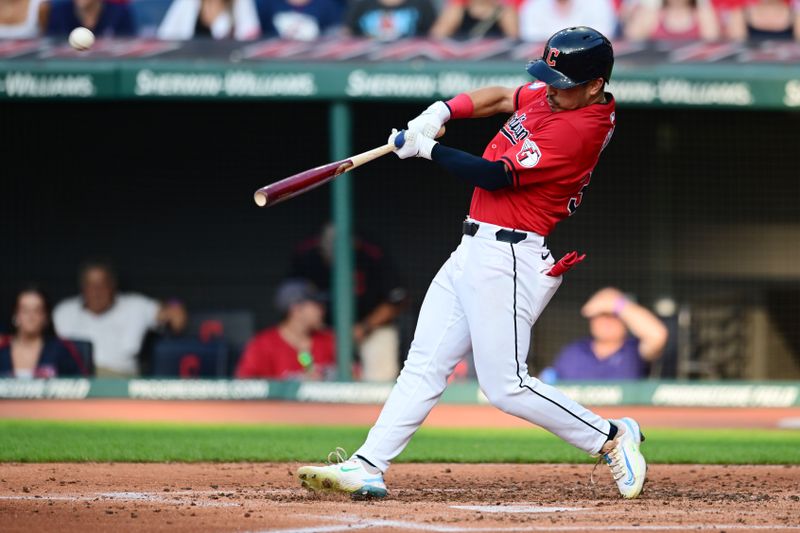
(400, 139)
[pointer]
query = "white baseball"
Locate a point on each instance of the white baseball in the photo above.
(81, 38)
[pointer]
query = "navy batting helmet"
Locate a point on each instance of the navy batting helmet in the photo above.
(574, 56)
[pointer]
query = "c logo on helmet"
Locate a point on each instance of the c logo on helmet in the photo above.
(552, 55)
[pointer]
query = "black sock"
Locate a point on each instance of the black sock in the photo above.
(612, 431)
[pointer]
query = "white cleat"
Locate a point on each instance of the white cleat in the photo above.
(623, 457)
(347, 476)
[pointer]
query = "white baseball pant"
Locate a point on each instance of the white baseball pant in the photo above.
(487, 296)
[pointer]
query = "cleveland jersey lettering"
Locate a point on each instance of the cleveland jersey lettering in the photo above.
(514, 130)
(550, 157)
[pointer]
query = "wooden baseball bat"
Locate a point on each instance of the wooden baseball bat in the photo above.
(307, 180)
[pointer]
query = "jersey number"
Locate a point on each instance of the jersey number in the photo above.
(575, 201)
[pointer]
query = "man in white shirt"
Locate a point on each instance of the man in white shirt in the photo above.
(116, 324)
(539, 19)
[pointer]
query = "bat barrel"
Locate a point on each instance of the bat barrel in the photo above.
(297, 184)
(311, 179)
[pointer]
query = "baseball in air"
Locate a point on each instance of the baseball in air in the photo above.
(81, 39)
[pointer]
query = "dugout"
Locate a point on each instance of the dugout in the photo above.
(696, 203)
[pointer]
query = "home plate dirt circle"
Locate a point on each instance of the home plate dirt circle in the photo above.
(266, 497)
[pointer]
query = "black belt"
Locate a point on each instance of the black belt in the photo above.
(502, 235)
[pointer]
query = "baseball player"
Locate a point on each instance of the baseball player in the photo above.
(495, 285)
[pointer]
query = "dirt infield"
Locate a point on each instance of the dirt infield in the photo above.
(428, 497)
(443, 415)
(431, 497)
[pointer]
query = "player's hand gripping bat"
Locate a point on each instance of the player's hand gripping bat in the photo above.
(307, 180)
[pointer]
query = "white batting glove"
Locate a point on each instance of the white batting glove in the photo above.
(430, 121)
(411, 144)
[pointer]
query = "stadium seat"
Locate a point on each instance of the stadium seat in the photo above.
(237, 327)
(190, 358)
(84, 350)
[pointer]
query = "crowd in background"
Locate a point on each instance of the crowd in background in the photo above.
(387, 20)
(624, 337)
(115, 326)
(103, 331)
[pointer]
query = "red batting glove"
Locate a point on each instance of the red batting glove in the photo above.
(566, 263)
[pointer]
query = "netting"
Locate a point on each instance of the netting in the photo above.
(693, 207)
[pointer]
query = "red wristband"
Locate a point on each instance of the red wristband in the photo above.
(461, 106)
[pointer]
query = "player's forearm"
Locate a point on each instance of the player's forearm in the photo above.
(484, 102)
(480, 172)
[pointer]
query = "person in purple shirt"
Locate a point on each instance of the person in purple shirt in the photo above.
(104, 18)
(625, 338)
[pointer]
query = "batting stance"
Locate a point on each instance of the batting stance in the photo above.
(498, 281)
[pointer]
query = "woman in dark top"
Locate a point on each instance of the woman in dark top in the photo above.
(764, 19)
(105, 19)
(33, 350)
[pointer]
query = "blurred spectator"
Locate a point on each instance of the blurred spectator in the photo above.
(33, 350)
(23, 19)
(299, 347)
(763, 19)
(116, 324)
(105, 19)
(673, 20)
(379, 300)
(471, 19)
(624, 11)
(610, 352)
(388, 20)
(539, 19)
(219, 19)
(300, 20)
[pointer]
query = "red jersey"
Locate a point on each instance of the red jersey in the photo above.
(550, 157)
(268, 355)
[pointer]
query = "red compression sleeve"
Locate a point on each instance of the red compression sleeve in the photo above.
(461, 106)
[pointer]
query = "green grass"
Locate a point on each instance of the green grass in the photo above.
(44, 441)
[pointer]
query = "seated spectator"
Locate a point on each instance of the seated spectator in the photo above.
(299, 347)
(473, 19)
(219, 19)
(673, 20)
(610, 353)
(389, 20)
(33, 350)
(300, 20)
(380, 298)
(764, 19)
(105, 19)
(624, 10)
(539, 19)
(116, 324)
(23, 19)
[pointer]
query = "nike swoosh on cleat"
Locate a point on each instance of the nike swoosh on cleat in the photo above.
(343, 469)
(629, 482)
(545, 256)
